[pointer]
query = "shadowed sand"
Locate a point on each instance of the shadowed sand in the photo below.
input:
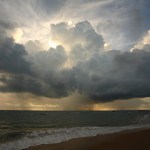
(125, 140)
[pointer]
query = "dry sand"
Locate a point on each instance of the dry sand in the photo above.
(125, 140)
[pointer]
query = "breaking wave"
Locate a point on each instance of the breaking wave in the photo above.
(59, 135)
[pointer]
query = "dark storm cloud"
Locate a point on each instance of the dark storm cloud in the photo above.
(40, 74)
(107, 77)
(102, 76)
(21, 83)
(53, 85)
(115, 75)
(12, 57)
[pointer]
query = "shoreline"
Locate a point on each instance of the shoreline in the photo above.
(134, 139)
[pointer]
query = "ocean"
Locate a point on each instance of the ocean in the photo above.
(22, 129)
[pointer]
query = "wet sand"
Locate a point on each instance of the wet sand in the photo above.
(125, 140)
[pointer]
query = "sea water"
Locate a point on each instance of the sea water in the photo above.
(22, 129)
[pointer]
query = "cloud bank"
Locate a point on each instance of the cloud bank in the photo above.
(93, 72)
(79, 63)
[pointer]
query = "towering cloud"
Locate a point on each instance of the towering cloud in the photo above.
(80, 41)
(80, 62)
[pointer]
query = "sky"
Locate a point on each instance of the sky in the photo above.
(74, 55)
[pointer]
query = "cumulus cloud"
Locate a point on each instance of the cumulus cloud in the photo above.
(33, 47)
(81, 41)
(79, 63)
(115, 75)
(46, 61)
(104, 76)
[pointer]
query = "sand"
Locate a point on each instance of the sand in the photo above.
(125, 140)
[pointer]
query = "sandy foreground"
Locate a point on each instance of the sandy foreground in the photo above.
(125, 140)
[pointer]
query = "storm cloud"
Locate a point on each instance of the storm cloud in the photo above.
(79, 62)
(12, 57)
(115, 75)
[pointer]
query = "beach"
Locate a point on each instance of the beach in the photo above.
(137, 139)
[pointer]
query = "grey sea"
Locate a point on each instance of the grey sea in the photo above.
(21, 129)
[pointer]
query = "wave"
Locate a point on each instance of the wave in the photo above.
(50, 136)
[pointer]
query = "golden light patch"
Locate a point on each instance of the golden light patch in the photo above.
(144, 41)
(52, 44)
(17, 35)
(26, 101)
(107, 46)
(70, 22)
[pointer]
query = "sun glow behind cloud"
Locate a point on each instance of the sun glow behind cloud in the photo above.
(52, 44)
(17, 35)
(64, 48)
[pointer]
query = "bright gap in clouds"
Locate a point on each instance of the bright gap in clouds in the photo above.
(52, 44)
(17, 35)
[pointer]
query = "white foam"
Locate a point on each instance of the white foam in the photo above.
(59, 135)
